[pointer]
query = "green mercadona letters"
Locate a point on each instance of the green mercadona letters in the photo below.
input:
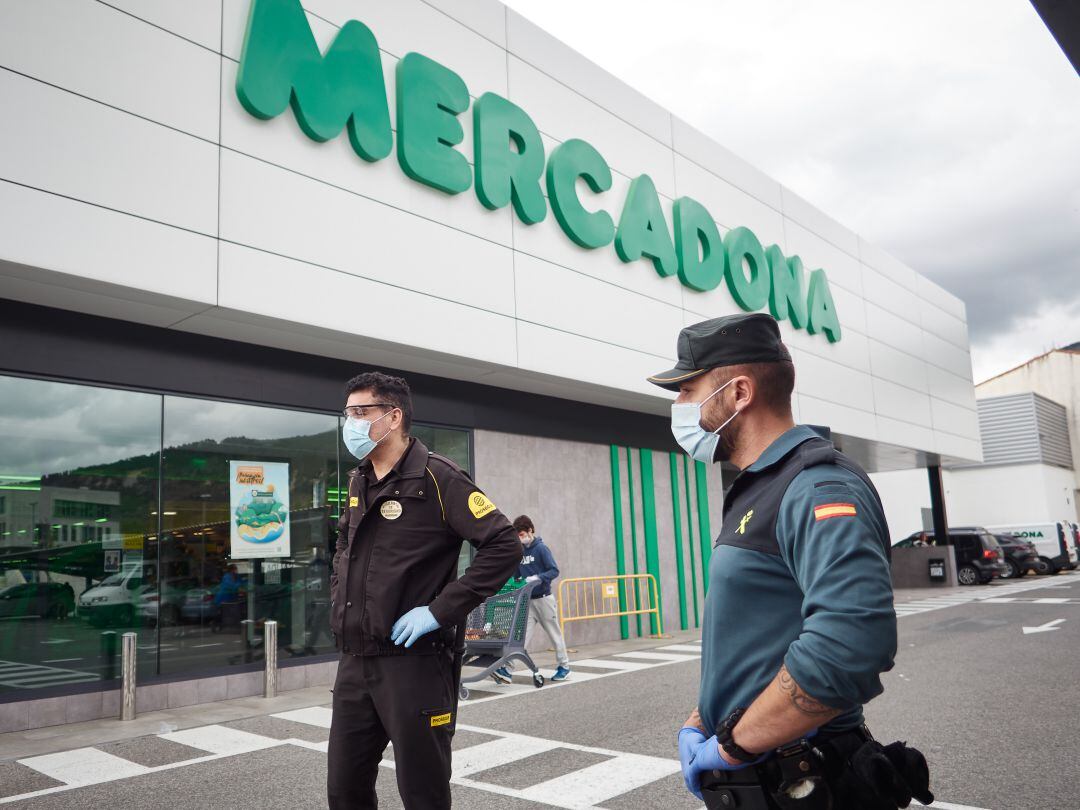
(344, 88)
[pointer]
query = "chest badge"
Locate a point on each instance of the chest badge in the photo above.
(745, 520)
(391, 510)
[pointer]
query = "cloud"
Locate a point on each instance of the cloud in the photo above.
(946, 133)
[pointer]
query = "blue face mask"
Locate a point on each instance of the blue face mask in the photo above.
(356, 434)
(686, 427)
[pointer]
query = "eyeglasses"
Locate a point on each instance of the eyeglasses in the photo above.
(358, 411)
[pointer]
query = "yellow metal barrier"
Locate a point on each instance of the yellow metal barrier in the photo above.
(583, 598)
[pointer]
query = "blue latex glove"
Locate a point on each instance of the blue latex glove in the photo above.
(417, 622)
(699, 755)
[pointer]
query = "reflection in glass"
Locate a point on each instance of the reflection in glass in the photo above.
(78, 501)
(213, 605)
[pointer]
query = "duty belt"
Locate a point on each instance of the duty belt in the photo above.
(794, 769)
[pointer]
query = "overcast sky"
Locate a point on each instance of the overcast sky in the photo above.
(948, 133)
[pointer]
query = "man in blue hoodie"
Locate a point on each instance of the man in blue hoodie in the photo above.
(538, 565)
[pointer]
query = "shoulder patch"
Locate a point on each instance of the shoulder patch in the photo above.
(479, 505)
(833, 510)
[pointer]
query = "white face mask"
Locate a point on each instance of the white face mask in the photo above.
(356, 434)
(686, 427)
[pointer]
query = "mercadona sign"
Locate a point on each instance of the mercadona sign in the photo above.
(344, 89)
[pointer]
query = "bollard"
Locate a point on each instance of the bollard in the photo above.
(108, 655)
(270, 651)
(247, 630)
(127, 686)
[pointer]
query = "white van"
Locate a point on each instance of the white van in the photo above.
(114, 599)
(1051, 540)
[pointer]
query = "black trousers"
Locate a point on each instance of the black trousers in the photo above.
(410, 700)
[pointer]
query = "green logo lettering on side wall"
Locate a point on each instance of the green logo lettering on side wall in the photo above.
(281, 67)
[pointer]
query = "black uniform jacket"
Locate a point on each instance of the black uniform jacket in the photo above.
(397, 549)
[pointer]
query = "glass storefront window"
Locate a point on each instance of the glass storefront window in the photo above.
(117, 513)
(78, 496)
(213, 604)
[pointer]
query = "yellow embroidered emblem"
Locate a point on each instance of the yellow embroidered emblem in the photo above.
(479, 505)
(354, 502)
(744, 521)
(440, 720)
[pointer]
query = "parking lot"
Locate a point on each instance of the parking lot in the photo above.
(982, 681)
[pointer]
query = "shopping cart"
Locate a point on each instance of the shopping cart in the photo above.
(495, 636)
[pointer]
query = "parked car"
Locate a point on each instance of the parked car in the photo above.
(114, 600)
(979, 558)
(1021, 556)
(1055, 552)
(48, 600)
(1075, 527)
(163, 604)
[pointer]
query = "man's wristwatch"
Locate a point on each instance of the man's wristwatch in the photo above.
(725, 736)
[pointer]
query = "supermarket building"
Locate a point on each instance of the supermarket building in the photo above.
(215, 212)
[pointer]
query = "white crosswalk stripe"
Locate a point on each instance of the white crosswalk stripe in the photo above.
(220, 740)
(83, 766)
(28, 676)
(999, 594)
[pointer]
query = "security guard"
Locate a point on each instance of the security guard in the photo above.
(799, 621)
(397, 608)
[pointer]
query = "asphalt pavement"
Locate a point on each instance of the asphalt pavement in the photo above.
(991, 704)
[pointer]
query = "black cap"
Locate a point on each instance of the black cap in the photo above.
(728, 341)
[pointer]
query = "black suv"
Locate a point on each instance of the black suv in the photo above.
(1021, 555)
(979, 558)
(49, 600)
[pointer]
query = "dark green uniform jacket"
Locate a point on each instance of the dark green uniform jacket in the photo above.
(397, 549)
(799, 576)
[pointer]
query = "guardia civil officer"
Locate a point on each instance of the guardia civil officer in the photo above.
(397, 606)
(799, 621)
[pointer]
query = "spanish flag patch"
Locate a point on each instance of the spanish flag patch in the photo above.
(831, 510)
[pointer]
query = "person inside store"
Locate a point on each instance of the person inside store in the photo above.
(799, 622)
(397, 607)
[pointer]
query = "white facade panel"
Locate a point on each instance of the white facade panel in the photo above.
(841, 418)
(550, 295)
(485, 17)
(75, 147)
(939, 322)
(953, 419)
(559, 354)
(197, 20)
(890, 295)
(88, 244)
(894, 331)
(946, 355)
(124, 63)
(281, 212)
(899, 402)
(891, 364)
(832, 382)
(950, 387)
(291, 291)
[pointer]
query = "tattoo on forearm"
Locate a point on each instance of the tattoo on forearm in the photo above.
(799, 699)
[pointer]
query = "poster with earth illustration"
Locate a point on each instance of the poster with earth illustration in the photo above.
(259, 500)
